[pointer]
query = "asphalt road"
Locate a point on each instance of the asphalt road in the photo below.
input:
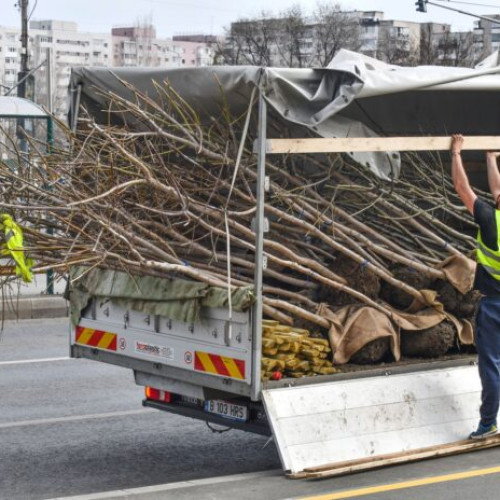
(77, 428)
(69, 427)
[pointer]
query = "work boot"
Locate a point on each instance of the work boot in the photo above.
(483, 431)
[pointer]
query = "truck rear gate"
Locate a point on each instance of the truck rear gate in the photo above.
(344, 426)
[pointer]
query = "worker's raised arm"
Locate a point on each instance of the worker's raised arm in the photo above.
(493, 174)
(460, 180)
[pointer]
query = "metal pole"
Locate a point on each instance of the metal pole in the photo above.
(22, 75)
(48, 68)
(76, 107)
(50, 230)
(484, 18)
(259, 252)
(24, 46)
(50, 143)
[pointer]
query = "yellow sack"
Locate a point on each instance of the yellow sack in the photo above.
(13, 247)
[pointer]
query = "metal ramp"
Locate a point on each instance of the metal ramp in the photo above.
(344, 426)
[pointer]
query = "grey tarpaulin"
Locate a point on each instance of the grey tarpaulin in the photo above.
(355, 96)
(173, 298)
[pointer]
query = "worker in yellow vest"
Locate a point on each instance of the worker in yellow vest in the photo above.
(13, 247)
(487, 281)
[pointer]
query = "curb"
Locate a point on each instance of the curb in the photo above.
(34, 308)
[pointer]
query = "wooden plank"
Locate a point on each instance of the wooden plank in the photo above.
(351, 466)
(380, 144)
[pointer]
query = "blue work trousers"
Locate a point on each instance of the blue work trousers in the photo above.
(487, 337)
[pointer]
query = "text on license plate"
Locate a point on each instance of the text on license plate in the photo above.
(228, 410)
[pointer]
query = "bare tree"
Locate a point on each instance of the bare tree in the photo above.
(291, 38)
(429, 52)
(249, 41)
(447, 48)
(334, 30)
(463, 54)
(145, 34)
(398, 45)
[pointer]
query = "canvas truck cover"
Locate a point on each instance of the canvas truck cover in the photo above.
(355, 96)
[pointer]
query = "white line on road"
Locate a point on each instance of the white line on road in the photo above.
(125, 493)
(24, 361)
(57, 420)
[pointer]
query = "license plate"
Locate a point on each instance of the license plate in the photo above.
(227, 410)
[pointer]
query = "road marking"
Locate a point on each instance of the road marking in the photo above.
(372, 490)
(57, 420)
(173, 486)
(24, 361)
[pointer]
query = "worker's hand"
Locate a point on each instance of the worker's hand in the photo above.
(492, 154)
(457, 141)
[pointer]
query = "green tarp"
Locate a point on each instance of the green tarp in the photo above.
(173, 298)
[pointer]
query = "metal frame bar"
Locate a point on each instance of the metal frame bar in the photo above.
(76, 108)
(259, 251)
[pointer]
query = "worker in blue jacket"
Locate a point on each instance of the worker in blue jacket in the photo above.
(487, 281)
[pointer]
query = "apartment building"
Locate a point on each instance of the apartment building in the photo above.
(272, 41)
(486, 36)
(370, 31)
(139, 46)
(58, 42)
(10, 49)
(61, 43)
(64, 46)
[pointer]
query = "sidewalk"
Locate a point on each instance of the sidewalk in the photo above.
(30, 301)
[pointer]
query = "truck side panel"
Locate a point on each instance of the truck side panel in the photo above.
(207, 352)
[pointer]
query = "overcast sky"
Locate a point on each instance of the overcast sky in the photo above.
(211, 16)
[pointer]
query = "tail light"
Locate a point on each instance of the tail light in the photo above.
(157, 395)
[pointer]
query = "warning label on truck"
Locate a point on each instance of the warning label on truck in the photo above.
(154, 350)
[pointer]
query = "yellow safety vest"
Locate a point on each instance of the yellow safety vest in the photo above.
(14, 248)
(488, 258)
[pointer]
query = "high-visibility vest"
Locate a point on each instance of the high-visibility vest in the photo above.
(14, 248)
(488, 258)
